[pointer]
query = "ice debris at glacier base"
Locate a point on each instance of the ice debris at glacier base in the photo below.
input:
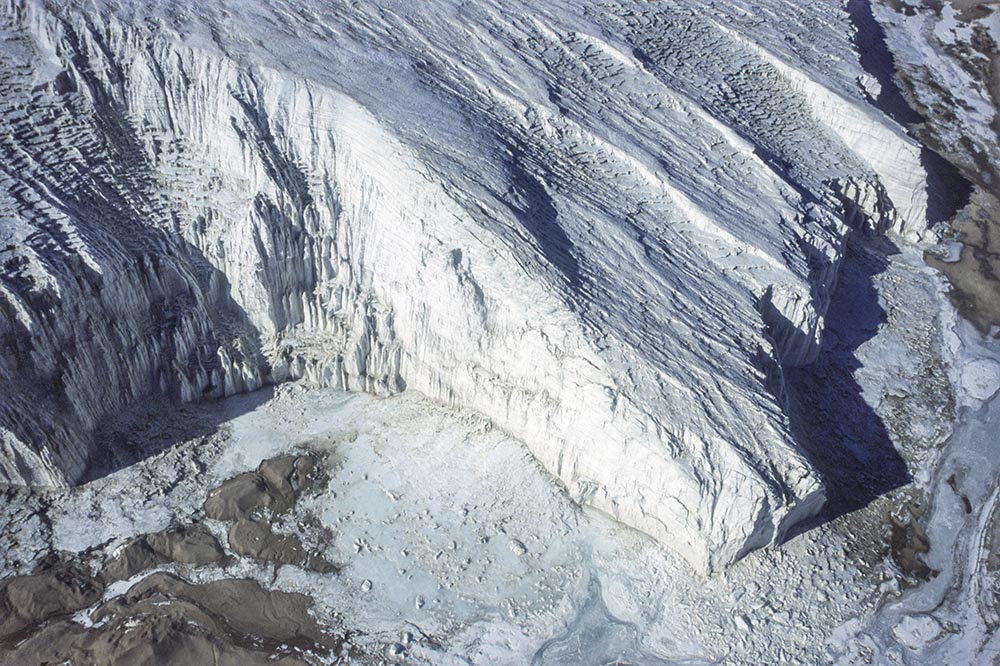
(604, 228)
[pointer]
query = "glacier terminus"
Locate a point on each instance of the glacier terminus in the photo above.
(488, 332)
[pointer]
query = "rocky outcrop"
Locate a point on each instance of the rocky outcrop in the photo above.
(579, 230)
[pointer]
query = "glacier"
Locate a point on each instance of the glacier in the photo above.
(604, 227)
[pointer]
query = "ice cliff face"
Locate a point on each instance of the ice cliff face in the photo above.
(606, 227)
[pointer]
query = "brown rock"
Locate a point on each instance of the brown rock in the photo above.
(166, 620)
(274, 487)
(239, 497)
(185, 544)
(255, 539)
(56, 588)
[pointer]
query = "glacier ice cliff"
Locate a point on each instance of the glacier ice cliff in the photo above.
(606, 227)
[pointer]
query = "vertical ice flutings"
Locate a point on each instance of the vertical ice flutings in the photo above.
(550, 231)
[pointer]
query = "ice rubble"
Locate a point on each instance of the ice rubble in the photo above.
(606, 228)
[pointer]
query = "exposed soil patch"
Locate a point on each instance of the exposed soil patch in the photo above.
(975, 277)
(270, 491)
(909, 543)
(166, 620)
(57, 588)
(254, 539)
(186, 544)
(253, 501)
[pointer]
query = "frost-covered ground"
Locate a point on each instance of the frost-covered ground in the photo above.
(952, 618)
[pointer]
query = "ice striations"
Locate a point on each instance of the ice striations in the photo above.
(604, 226)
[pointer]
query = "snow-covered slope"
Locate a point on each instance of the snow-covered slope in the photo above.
(605, 227)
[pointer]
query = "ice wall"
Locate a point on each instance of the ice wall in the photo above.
(535, 214)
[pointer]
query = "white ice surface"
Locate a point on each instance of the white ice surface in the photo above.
(678, 150)
(602, 226)
(981, 378)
